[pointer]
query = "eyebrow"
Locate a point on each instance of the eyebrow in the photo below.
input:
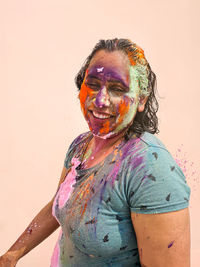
(93, 77)
(118, 81)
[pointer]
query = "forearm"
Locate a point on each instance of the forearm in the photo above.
(40, 228)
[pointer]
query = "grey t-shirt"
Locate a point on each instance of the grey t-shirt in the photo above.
(93, 206)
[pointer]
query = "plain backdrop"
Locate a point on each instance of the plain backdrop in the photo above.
(43, 43)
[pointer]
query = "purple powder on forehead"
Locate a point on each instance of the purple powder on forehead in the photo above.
(100, 69)
(106, 74)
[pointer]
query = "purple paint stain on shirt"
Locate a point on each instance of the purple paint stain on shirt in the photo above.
(79, 138)
(127, 151)
(137, 160)
(127, 148)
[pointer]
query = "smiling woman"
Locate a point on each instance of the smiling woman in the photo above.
(110, 93)
(120, 186)
(127, 71)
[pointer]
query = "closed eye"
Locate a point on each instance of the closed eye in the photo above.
(94, 86)
(117, 89)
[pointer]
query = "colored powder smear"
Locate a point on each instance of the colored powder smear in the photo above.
(66, 187)
(56, 253)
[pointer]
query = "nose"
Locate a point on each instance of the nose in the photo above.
(102, 98)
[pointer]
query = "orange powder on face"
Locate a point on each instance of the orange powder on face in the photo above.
(123, 109)
(106, 127)
(83, 94)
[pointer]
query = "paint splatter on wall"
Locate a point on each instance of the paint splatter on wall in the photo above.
(189, 169)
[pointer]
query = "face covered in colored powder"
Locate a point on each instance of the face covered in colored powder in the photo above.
(109, 94)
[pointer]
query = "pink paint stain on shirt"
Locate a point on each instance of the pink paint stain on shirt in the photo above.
(56, 253)
(66, 187)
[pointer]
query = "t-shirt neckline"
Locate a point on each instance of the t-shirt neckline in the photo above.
(81, 170)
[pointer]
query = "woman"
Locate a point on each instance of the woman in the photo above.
(122, 200)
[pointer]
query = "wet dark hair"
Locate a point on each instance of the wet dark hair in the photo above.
(146, 120)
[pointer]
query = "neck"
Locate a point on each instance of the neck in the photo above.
(99, 144)
(99, 148)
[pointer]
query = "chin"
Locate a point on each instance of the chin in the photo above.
(111, 134)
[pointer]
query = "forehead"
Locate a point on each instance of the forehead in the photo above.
(116, 61)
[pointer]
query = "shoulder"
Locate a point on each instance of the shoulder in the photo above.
(144, 150)
(75, 146)
(79, 139)
(155, 151)
(156, 155)
(151, 140)
(147, 154)
(158, 183)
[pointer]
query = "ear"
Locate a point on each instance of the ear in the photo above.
(142, 101)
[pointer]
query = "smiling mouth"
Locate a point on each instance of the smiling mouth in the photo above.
(99, 115)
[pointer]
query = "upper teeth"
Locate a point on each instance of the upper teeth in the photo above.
(100, 116)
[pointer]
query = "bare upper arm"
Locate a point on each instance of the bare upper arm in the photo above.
(163, 239)
(62, 178)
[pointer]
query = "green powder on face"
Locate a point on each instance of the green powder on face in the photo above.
(133, 94)
(140, 73)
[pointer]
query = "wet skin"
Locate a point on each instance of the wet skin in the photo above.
(109, 95)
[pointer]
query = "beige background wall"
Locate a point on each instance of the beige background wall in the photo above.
(42, 45)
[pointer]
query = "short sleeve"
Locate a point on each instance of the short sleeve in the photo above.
(71, 151)
(157, 184)
(67, 159)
